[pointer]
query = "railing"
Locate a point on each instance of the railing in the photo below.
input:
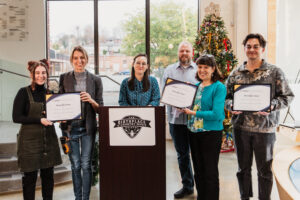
(110, 89)
(297, 80)
(110, 79)
(55, 78)
(4, 70)
(105, 76)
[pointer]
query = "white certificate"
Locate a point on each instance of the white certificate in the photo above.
(61, 107)
(178, 94)
(252, 97)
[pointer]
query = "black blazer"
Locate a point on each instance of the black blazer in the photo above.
(93, 87)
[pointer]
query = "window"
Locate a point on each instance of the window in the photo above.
(118, 30)
(171, 21)
(70, 23)
(121, 31)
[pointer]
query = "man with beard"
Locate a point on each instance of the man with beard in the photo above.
(184, 70)
(254, 132)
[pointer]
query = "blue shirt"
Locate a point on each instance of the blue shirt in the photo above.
(212, 107)
(137, 97)
(175, 71)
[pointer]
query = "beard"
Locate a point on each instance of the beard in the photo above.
(184, 60)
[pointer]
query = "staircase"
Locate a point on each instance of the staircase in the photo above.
(10, 177)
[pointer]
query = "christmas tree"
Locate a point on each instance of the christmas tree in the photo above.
(212, 39)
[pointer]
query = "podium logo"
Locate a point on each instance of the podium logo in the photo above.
(132, 125)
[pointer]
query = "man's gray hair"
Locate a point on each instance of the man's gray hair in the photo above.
(185, 43)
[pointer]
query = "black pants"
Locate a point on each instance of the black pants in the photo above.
(261, 144)
(205, 149)
(29, 182)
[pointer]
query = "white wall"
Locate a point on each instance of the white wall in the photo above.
(14, 56)
(288, 40)
(258, 18)
(34, 47)
(242, 27)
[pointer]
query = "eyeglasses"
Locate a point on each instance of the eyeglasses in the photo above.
(255, 47)
(141, 63)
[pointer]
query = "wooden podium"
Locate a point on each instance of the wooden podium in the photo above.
(132, 153)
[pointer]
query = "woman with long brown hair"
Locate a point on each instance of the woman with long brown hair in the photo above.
(140, 89)
(37, 145)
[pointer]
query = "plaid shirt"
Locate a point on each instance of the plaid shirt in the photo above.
(281, 96)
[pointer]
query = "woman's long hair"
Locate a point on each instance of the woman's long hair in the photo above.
(145, 80)
(32, 65)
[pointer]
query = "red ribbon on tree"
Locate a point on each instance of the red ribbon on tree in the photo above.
(228, 62)
(225, 43)
(228, 65)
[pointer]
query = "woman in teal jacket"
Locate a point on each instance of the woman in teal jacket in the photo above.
(205, 122)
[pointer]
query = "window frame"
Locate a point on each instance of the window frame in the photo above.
(96, 28)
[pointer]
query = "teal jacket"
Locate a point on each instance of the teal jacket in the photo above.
(212, 106)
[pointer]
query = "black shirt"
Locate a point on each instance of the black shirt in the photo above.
(22, 104)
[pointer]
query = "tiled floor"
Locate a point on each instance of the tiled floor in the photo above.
(227, 168)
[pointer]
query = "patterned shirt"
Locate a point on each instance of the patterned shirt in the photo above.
(195, 124)
(281, 96)
(137, 97)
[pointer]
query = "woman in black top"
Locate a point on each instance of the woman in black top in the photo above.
(37, 145)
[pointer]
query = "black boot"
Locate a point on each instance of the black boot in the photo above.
(47, 183)
(28, 183)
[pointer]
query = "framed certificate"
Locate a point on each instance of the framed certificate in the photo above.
(61, 107)
(252, 97)
(178, 94)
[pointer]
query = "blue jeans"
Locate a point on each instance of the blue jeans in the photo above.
(82, 146)
(179, 133)
(261, 144)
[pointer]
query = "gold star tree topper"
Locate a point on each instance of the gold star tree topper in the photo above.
(213, 9)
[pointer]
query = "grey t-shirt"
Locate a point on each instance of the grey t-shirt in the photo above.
(80, 86)
(80, 78)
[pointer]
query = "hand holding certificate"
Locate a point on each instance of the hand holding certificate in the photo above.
(178, 94)
(252, 97)
(61, 107)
